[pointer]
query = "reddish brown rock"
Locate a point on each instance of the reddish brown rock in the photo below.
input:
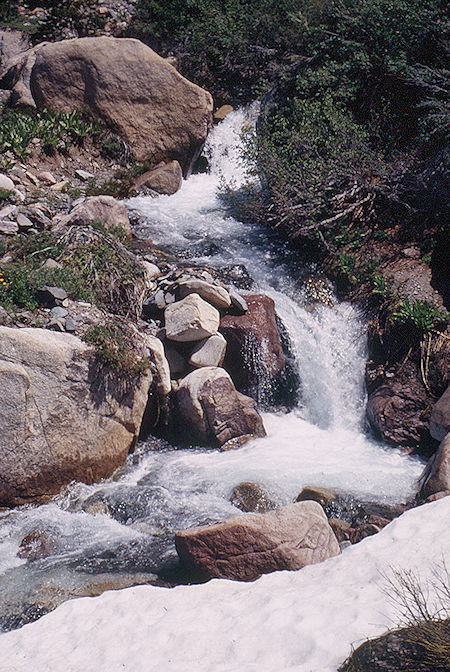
(438, 468)
(211, 409)
(438, 495)
(397, 409)
(254, 352)
(440, 417)
(345, 532)
(37, 544)
(245, 546)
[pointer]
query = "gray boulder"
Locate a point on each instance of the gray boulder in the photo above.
(105, 209)
(6, 184)
(215, 295)
(191, 319)
(61, 419)
(210, 352)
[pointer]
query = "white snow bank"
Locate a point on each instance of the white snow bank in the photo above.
(304, 621)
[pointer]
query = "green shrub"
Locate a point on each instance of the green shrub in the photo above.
(74, 18)
(4, 195)
(116, 350)
(236, 47)
(96, 267)
(347, 131)
(8, 12)
(380, 286)
(19, 285)
(107, 267)
(119, 188)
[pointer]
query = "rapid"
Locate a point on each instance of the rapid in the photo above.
(121, 531)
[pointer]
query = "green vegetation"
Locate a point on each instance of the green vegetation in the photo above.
(423, 643)
(349, 135)
(235, 48)
(116, 350)
(21, 279)
(380, 285)
(4, 195)
(8, 12)
(96, 267)
(18, 128)
(79, 18)
(19, 285)
(421, 316)
(116, 187)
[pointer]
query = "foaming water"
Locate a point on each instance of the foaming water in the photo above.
(126, 524)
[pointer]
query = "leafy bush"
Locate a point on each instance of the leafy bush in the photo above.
(19, 285)
(380, 285)
(107, 267)
(8, 11)
(119, 188)
(96, 267)
(235, 48)
(345, 132)
(4, 195)
(21, 279)
(68, 18)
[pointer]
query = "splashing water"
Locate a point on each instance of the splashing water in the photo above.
(126, 524)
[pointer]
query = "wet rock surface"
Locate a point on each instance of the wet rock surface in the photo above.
(210, 408)
(245, 546)
(250, 497)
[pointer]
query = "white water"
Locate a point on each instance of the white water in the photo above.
(161, 490)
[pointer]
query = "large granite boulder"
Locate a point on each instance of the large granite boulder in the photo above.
(247, 545)
(437, 473)
(211, 409)
(61, 418)
(159, 113)
(440, 417)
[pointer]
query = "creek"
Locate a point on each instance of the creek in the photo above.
(121, 532)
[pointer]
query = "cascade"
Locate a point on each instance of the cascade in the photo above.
(161, 489)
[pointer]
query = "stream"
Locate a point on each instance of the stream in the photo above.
(120, 532)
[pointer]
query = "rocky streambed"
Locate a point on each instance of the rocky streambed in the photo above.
(233, 295)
